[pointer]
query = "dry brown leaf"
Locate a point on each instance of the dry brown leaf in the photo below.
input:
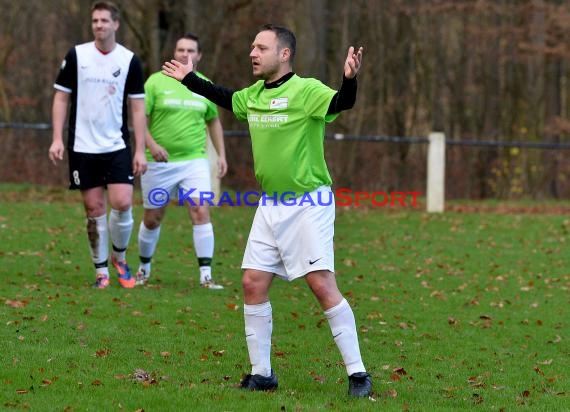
(16, 303)
(102, 353)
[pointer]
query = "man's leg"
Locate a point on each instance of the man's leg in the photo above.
(343, 327)
(203, 236)
(120, 229)
(97, 233)
(258, 328)
(149, 233)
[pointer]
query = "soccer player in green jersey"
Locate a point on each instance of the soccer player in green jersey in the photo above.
(286, 116)
(178, 122)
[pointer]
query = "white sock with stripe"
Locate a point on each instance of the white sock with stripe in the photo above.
(120, 229)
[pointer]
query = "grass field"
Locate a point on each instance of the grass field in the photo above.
(456, 311)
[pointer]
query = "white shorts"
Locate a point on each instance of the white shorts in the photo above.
(164, 181)
(293, 240)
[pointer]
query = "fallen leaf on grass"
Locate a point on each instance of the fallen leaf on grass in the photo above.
(317, 378)
(477, 399)
(400, 371)
(48, 382)
(558, 339)
(232, 306)
(390, 393)
(102, 353)
(546, 362)
(142, 376)
(475, 382)
(16, 303)
(218, 353)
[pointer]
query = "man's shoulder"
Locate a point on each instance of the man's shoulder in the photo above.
(84, 46)
(296, 79)
(160, 79)
(122, 49)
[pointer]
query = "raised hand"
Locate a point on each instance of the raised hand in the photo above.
(353, 62)
(177, 70)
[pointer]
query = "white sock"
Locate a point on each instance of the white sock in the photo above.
(258, 328)
(120, 228)
(203, 236)
(343, 327)
(148, 239)
(98, 236)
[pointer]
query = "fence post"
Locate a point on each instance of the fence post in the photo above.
(213, 159)
(436, 173)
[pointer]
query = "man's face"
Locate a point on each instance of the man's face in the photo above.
(266, 58)
(102, 25)
(187, 49)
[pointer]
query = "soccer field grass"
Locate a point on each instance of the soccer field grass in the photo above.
(456, 311)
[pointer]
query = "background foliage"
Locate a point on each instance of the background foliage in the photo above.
(481, 70)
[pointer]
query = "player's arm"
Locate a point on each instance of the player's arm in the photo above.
(345, 98)
(58, 115)
(216, 133)
(139, 126)
(220, 95)
(159, 153)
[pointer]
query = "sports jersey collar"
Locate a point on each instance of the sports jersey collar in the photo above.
(278, 82)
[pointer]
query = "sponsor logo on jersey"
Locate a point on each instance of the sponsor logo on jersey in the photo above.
(279, 103)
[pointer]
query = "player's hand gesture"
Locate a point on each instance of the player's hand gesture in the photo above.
(353, 62)
(177, 70)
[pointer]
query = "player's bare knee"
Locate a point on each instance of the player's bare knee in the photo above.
(200, 215)
(255, 285)
(122, 205)
(153, 218)
(94, 209)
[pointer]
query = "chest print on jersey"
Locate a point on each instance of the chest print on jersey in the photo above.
(279, 103)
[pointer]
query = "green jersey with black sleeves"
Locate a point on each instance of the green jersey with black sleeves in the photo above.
(287, 127)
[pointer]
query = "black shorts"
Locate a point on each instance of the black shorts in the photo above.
(88, 170)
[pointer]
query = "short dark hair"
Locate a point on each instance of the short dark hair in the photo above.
(107, 5)
(191, 36)
(285, 38)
